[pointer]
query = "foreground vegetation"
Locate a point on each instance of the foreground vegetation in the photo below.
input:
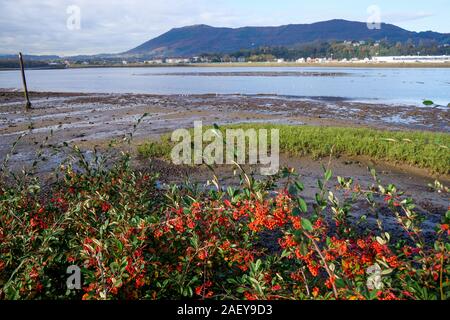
(259, 240)
(428, 150)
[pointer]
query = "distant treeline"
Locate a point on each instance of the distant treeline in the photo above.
(336, 50)
(30, 64)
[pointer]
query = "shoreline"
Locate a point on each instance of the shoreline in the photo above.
(281, 65)
(335, 65)
(259, 65)
(288, 97)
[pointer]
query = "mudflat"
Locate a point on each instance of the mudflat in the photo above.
(94, 119)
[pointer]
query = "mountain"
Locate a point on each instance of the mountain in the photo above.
(198, 39)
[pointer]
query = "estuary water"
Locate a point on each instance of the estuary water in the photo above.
(375, 85)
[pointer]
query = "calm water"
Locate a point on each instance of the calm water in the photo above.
(404, 86)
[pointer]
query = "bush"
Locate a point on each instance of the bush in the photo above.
(255, 241)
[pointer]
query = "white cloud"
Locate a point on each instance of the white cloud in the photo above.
(397, 17)
(109, 26)
(106, 26)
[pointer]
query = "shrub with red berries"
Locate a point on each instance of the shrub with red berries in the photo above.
(254, 241)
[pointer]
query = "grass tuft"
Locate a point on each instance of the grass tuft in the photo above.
(429, 150)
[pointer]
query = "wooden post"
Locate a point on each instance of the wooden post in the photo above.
(24, 81)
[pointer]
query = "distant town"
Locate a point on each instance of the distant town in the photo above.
(377, 59)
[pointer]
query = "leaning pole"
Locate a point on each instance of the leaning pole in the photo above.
(24, 81)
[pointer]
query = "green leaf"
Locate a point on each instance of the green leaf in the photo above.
(328, 175)
(241, 290)
(293, 190)
(386, 272)
(118, 283)
(318, 199)
(320, 184)
(231, 191)
(307, 225)
(296, 212)
(340, 283)
(302, 205)
(373, 172)
(373, 294)
(428, 103)
(300, 186)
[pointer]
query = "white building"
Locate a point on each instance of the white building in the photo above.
(409, 59)
(177, 60)
(155, 61)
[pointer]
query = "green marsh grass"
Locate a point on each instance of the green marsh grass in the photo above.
(429, 150)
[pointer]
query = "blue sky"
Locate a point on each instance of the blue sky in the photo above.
(40, 26)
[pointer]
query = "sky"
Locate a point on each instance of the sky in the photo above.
(71, 27)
